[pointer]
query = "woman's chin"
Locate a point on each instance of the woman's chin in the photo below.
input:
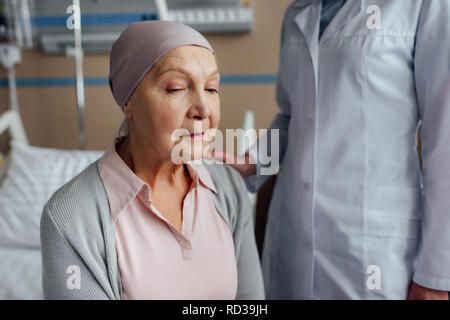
(189, 151)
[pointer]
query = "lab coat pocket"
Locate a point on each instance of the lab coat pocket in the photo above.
(394, 212)
(392, 231)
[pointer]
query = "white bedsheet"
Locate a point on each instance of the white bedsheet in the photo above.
(20, 274)
(34, 174)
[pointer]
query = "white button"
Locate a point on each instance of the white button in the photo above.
(232, 15)
(210, 16)
(221, 16)
(190, 16)
(178, 16)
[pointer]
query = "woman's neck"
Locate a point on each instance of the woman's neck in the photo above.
(149, 167)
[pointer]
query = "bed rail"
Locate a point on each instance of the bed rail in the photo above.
(11, 120)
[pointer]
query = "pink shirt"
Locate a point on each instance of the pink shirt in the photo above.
(156, 260)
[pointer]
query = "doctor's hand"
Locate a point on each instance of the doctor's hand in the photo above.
(245, 164)
(417, 292)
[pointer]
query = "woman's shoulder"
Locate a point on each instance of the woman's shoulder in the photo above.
(76, 199)
(231, 197)
(225, 178)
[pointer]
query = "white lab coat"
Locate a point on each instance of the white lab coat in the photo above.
(347, 218)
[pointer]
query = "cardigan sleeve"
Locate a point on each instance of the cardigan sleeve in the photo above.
(250, 280)
(65, 275)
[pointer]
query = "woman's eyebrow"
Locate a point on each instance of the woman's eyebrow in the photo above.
(215, 72)
(186, 72)
(176, 69)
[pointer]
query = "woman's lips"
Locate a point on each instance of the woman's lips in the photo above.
(195, 135)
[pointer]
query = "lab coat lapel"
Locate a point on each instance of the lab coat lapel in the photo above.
(307, 21)
(350, 10)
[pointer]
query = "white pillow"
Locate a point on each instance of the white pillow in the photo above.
(34, 174)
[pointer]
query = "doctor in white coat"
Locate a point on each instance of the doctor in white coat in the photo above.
(352, 216)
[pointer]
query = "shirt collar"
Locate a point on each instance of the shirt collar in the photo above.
(122, 185)
(199, 173)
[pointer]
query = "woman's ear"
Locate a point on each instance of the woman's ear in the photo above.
(127, 110)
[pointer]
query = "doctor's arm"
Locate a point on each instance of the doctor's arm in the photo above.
(280, 122)
(264, 146)
(432, 71)
(250, 165)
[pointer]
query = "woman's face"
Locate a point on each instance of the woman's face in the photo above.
(179, 91)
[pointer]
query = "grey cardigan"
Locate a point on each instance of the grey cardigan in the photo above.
(79, 259)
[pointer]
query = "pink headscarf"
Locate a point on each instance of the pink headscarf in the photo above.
(139, 47)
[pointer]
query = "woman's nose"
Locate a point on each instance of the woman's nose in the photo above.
(199, 109)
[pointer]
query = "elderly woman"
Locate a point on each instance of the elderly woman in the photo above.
(136, 224)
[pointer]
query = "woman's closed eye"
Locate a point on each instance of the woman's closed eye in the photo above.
(174, 90)
(176, 85)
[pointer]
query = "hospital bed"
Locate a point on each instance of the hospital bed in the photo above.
(28, 177)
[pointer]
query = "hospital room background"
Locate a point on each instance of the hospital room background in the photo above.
(57, 113)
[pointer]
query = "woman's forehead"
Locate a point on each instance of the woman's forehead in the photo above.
(186, 58)
(180, 54)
